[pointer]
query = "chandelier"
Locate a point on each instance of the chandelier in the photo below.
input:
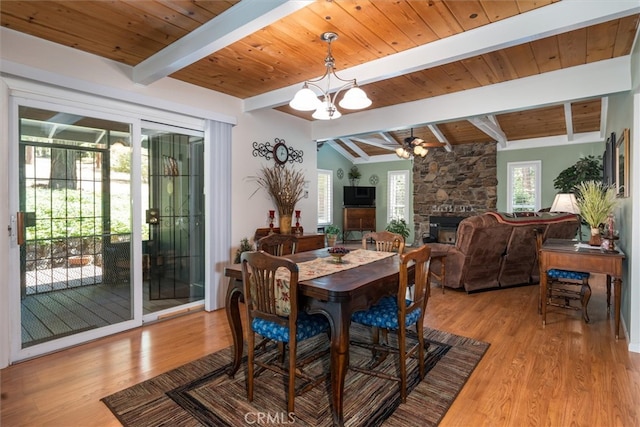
(324, 104)
(412, 146)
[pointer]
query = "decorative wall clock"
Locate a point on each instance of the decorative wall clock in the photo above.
(280, 152)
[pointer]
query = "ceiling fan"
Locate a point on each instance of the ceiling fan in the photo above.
(412, 145)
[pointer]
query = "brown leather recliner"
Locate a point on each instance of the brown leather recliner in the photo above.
(495, 250)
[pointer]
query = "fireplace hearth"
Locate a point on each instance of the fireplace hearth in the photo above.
(442, 229)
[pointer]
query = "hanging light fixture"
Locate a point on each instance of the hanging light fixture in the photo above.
(412, 146)
(324, 106)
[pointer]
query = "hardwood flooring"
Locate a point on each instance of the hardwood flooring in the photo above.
(566, 373)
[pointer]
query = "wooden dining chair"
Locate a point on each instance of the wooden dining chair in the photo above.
(397, 314)
(564, 286)
(384, 241)
(271, 307)
(278, 244)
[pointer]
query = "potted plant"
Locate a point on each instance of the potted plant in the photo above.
(245, 246)
(587, 168)
(286, 188)
(398, 226)
(332, 232)
(354, 175)
(596, 202)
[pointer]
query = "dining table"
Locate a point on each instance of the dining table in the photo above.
(335, 296)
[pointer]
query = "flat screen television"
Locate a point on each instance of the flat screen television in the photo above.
(359, 196)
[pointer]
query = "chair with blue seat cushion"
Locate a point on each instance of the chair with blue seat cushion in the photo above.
(271, 306)
(397, 313)
(565, 286)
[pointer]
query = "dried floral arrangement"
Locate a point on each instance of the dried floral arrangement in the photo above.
(596, 201)
(284, 185)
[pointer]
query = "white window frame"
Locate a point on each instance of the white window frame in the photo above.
(391, 204)
(511, 168)
(328, 198)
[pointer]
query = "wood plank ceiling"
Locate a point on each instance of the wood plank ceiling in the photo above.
(257, 58)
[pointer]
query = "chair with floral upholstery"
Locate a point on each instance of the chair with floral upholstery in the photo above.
(397, 313)
(271, 306)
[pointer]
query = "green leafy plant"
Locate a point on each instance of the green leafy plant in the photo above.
(398, 226)
(245, 246)
(354, 173)
(596, 201)
(332, 229)
(587, 168)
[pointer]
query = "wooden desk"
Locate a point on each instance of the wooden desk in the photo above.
(336, 296)
(563, 255)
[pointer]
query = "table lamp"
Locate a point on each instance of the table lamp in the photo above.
(566, 202)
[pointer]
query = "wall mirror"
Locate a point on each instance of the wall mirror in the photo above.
(622, 164)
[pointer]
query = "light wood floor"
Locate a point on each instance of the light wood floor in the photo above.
(567, 373)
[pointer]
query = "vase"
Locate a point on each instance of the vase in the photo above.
(285, 223)
(595, 239)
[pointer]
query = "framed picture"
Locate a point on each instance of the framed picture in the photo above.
(622, 164)
(609, 162)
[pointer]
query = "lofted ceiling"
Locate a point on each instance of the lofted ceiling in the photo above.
(400, 51)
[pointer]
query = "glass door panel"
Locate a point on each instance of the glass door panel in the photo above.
(173, 223)
(74, 196)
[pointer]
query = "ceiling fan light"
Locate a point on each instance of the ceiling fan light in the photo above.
(305, 100)
(423, 152)
(400, 151)
(355, 99)
(417, 141)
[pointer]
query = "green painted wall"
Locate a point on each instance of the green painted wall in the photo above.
(330, 159)
(554, 160)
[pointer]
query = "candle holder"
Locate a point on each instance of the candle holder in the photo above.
(272, 216)
(298, 231)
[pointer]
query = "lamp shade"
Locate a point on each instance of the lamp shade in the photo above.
(355, 99)
(305, 100)
(324, 109)
(565, 202)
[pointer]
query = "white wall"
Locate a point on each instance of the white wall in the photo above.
(251, 204)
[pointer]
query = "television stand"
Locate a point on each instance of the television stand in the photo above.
(359, 219)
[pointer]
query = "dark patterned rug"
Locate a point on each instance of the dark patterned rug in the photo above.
(201, 393)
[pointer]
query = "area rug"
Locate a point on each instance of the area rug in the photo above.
(201, 393)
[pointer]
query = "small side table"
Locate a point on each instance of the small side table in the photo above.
(442, 274)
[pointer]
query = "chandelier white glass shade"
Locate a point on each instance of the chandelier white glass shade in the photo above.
(412, 146)
(324, 104)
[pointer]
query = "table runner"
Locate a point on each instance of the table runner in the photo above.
(321, 267)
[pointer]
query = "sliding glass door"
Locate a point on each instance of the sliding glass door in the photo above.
(102, 248)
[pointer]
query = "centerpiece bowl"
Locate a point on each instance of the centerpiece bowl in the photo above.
(337, 252)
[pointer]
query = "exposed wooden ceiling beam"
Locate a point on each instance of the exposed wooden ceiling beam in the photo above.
(440, 137)
(568, 120)
(354, 147)
(490, 126)
(237, 22)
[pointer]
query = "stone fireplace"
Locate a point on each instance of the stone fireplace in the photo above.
(454, 185)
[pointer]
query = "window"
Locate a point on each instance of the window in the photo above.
(325, 197)
(398, 194)
(523, 186)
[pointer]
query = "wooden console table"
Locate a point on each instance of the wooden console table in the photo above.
(306, 242)
(564, 255)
